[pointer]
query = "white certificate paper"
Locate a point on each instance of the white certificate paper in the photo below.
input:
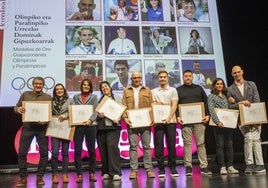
(111, 109)
(59, 129)
(36, 111)
(140, 117)
(255, 114)
(79, 113)
(228, 117)
(161, 112)
(192, 112)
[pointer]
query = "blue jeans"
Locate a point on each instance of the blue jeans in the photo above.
(55, 153)
(89, 133)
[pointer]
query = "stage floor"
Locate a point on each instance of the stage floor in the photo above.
(9, 180)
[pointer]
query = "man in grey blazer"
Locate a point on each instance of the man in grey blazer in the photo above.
(246, 92)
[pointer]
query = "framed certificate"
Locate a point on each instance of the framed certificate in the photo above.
(140, 117)
(255, 114)
(79, 113)
(161, 112)
(228, 117)
(36, 111)
(192, 112)
(111, 109)
(59, 129)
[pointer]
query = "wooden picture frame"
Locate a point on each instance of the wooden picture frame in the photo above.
(161, 111)
(140, 117)
(228, 117)
(37, 111)
(111, 109)
(79, 114)
(192, 112)
(62, 130)
(255, 114)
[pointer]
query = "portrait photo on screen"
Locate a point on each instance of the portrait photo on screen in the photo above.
(118, 72)
(83, 10)
(204, 72)
(83, 40)
(121, 10)
(77, 70)
(159, 40)
(195, 40)
(157, 10)
(192, 10)
(152, 68)
(121, 40)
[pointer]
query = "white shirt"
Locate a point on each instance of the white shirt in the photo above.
(166, 95)
(122, 46)
(81, 49)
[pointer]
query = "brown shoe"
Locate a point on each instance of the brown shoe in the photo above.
(133, 175)
(55, 179)
(92, 178)
(150, 174)
(22, 182)
(79, 179)
(65, 178)
(40, 181)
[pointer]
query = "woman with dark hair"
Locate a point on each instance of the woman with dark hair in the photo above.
(87, 129)
(154, 10)
(223, 135)
(108, 135)
(60, 104)
(196, 45)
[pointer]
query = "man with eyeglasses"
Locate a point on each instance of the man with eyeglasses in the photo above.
(87, 42)
(121, 68)
(85, 11)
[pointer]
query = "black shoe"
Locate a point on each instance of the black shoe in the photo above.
(205, 171)
(259, 169)
(249, 169)
(40, 181)
(174, 172)
(188, 171)
(161, 173)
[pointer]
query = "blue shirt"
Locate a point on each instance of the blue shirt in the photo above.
(155, 15)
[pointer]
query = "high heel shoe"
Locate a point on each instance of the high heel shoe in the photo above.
(92, 178)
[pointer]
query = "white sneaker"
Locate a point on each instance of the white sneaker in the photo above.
(232, 170)
(117, 178)
(106, 176)
(223, 170)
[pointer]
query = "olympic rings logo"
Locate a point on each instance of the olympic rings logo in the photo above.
(20, 83)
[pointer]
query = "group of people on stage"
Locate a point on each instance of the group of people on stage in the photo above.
(137, 96)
